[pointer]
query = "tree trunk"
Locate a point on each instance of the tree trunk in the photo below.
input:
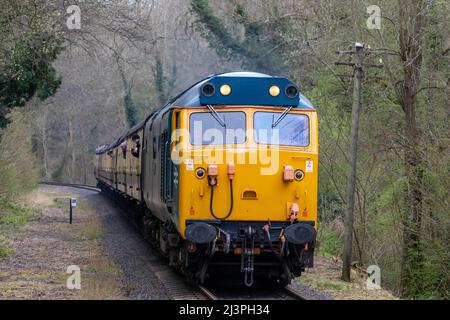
(72, 150)
(44, 138)
(412, 15)
(83, 157)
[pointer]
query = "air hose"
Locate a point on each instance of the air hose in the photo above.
(269, 239)
(231, 202)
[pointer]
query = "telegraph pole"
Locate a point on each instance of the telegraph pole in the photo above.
(351, 181)
(360, 52)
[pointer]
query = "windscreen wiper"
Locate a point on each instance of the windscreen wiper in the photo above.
(281, 117)
(216, 115)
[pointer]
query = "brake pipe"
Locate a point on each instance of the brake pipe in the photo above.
(231, 203)
(212, 181)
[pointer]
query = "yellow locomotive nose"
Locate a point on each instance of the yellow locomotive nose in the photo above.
(268, 181)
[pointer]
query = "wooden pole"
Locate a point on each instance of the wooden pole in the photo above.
(351, 182)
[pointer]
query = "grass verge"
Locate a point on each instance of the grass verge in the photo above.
(5, 251)
(14, 214)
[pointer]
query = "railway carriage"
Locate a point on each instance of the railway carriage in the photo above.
(223, 178)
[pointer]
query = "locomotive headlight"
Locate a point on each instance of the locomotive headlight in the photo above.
(299, 175)
(208, 89)
(291, 91)
(225, 90)
(274, 91)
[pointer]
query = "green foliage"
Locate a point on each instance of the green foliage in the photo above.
(329, 205)
(160, 81)
(5, 251)
(29, 43)
(426, 269)
(92, 231)
(14, 214)
(164, 81)
(130, 108)
(325, 284)
(330, 242)
(58, 173)
(219, 37)
(16, 176)
(29, 73)
(261, 49)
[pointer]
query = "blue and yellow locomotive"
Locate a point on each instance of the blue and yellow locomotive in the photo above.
(224, 174)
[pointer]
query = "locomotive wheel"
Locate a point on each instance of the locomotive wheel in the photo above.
(190, 270)
(190, 278)
(283, 280)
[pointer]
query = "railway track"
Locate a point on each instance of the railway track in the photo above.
(208, 294)
(72, 185)
(178, 289)
(280, 293)
(293, 293)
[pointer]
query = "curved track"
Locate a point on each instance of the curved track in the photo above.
(178, 288)
(73, 185)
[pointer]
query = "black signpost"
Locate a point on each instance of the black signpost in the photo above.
(72, 204)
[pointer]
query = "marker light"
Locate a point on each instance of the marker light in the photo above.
(274, 91)
(212, 173)
(225, 90)
(230, 170)
(288, 173)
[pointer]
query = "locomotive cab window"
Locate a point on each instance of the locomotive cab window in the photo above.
(207, 128)
(277, 129)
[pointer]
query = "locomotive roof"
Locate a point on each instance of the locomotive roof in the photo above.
(247, 88)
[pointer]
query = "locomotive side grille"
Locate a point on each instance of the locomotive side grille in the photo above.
(163, 164)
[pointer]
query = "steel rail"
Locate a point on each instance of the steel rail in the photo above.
(72, 185)
(208, 294)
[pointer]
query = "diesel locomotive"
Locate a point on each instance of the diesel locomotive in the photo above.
(223, 178)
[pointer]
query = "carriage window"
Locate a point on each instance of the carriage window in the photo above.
(137, 145)
(292, 130)
(123, 146)
(207, 129)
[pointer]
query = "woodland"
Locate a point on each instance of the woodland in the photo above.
(68, 85)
